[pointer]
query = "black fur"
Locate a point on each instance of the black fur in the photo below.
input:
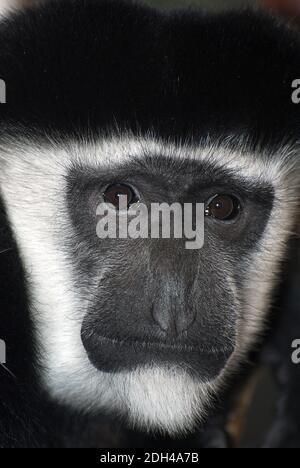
(77, 67)
(97, 64)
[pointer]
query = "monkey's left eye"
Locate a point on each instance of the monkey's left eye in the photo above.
(223, 208)
(113, 193)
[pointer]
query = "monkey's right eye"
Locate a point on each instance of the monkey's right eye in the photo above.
(113, 193)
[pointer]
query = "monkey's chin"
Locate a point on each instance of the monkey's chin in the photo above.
(158, 399)
(163, 400)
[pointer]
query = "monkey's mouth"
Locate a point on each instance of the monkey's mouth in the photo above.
(113, 355)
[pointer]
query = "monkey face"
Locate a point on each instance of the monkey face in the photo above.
(155, 301)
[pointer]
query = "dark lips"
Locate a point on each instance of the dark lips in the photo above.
(112, 355)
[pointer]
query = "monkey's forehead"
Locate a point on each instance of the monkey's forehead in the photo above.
(89, 66)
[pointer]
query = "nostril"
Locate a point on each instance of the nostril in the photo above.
(172, 321)
(185, 321)
(159, 318)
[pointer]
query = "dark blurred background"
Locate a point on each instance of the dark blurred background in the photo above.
(210, 4)
(289, 7)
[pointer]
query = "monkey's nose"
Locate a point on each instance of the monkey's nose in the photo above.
(172, 319)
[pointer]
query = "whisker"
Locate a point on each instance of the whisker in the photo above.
(6, 250)
(8, 371)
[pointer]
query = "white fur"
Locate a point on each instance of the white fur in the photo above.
(32, 183)
(6, 6)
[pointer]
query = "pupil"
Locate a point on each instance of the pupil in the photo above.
(119, 193)
(114, 193)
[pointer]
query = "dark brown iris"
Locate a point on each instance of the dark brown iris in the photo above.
(113, 193)
(223, 208)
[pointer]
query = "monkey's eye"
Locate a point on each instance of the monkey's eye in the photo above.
(223, 208)
(113, 193)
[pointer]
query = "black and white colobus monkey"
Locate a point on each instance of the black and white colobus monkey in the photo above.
(179, 107)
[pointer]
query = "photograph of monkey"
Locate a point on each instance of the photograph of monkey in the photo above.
(149, 226)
